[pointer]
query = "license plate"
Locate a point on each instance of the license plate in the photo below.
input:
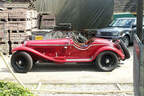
(38, 37)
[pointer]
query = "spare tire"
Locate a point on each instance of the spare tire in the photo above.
(125, 49)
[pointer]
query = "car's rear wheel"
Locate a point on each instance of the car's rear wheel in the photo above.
(126, 40)
(106, 61)
(21, 62)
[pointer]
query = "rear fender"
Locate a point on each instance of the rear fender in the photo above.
(118, 52)
(29, 50)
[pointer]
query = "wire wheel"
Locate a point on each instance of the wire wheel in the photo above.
(106, 61)
(21, 62)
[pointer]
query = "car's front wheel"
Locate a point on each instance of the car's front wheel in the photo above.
(106, 61)
(21, 62)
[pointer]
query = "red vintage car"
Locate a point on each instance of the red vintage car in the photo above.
(103, 53)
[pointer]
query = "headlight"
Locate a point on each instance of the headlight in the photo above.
(115, 33)
(98, 33)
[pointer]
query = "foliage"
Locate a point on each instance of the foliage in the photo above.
(12, 89)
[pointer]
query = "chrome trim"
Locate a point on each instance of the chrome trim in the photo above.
(86, 47)
(48, 45)
(82, 48)
(79, 59)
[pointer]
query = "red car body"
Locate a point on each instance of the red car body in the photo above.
(67, 50)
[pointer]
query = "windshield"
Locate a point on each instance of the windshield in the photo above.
(123, 23)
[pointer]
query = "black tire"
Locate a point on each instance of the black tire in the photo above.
(126, 40)
(106, 61)
(125, 49)
(21, 62)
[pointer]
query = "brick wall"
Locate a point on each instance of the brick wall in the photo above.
(125, 5)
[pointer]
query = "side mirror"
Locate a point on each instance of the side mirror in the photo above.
(134, 25)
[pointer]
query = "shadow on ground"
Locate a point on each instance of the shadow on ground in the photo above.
(63, 67)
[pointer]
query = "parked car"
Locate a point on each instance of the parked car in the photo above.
(121, 28)
(103, 53)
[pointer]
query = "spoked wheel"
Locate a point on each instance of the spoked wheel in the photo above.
(21, 62)
(126, 40)
(106, 61)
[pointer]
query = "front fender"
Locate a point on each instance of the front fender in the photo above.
(36, 53)
(125, 33)
(108, 48)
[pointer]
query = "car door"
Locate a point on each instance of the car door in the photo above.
(75, 51)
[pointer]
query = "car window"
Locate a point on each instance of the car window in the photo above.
(124, 23)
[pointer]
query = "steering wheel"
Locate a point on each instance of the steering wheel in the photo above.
(80, 39)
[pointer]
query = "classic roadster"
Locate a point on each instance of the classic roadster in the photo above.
(103, 53)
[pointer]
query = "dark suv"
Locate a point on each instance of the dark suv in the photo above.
(121, 28)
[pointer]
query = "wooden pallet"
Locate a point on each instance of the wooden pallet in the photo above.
(3, 15)
(15, 5)
(19, 25)
(17, 36)
(19, 19)
(22, 13)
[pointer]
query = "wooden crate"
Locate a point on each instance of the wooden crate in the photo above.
(19, 13)
(34, 23)
(1, 30)
(34, 14)
(3, 15)
(19, 25)
(48, 16)
(47, 24)
(17, 36)
(16, 5)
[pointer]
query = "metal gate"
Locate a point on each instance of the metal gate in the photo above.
(138, 67)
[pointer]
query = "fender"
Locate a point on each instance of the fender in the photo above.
(125, 33)
(107, 48)
(37, 53)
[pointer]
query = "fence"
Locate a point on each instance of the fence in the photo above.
(138, 67)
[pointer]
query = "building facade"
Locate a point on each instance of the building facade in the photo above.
(124, 6)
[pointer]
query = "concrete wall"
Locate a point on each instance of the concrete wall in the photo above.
(125, 5)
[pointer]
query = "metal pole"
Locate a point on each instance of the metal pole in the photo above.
(140, 19)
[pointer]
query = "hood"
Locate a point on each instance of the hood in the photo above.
(113, 29)
(47, 42)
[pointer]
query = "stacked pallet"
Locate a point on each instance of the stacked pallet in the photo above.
(18, 25)
(3, 45)
(1, 31)
(22, 19)
(47, 21)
